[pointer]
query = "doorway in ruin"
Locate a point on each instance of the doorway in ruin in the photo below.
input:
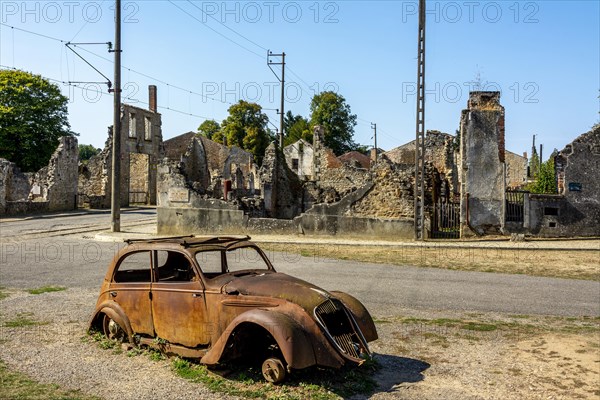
(139, 176)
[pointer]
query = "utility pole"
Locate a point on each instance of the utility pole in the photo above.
(115, 198)
(374, 127)
(419, 191)
(282, 80)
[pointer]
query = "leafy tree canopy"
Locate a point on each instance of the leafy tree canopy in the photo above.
(296, 128)
(545, 179)
(33, 117)
(87, 151)
(331, 111)
(246, 127)
(209, 128)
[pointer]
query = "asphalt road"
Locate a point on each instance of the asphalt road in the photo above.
(386, 290)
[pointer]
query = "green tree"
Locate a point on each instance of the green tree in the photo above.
(296, 128)
(545, 180)
(331, 111)
(246, 127)
(87, 151)
(33, 117)
(209, 128)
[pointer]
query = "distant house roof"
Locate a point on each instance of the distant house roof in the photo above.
(355, 156)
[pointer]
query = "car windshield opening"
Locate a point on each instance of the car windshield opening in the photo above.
(216, 262)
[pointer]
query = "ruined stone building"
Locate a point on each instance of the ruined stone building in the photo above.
(141, 149)
(52, 188)
(575, 210)
(299, 158)
(482, 169)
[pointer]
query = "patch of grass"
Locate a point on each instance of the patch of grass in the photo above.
(526, 260)
(3, 295)
(16, 385)
(23, 320)
(313, 383)
(46, 289)
(475, 326)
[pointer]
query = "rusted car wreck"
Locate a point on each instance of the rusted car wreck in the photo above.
(217, 299)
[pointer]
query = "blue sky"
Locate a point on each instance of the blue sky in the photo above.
(544, 56)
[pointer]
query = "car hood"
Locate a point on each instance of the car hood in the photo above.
(280, 286)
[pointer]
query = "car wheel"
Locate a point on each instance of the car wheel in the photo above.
(112, 329)
(273, 370)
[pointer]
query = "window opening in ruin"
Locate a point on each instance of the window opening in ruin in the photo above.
(295, 164)
(147, 128)
(552, 224)
(132, 132)
(550, 210)
(139, 174)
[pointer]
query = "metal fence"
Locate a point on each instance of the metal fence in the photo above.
(515, 205)
(445, 221)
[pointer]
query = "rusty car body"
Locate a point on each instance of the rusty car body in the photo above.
(219, 298)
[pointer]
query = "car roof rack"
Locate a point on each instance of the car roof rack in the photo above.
(159, 239)
(200, 240)
(191, 240)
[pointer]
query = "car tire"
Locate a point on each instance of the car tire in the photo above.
(273, 370)
(112, 329)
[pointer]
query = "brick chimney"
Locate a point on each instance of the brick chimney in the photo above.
(152, 98)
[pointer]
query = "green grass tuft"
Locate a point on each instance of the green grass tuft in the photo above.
(46, 289)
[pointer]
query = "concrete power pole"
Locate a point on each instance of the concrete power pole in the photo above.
(374, 127)
(419, 191)
(282, 80)
(115, 199)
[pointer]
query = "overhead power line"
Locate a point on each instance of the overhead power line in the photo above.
(95, 90)
(124, 67)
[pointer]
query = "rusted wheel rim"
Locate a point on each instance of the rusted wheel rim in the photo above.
(112, 330)
(273, 370)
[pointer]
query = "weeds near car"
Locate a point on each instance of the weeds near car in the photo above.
(312, 383)
(46, 289)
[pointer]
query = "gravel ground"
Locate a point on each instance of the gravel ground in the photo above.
(419, 361)
(56, 353)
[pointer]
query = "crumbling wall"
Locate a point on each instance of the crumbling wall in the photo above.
(52, 188)
(94, 178)
(516, 170)
(280, 187)
(578, 168)
(440, 151)
(58, 181)
(391, 195)
(482, 168)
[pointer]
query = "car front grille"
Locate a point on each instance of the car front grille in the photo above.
(333, 317)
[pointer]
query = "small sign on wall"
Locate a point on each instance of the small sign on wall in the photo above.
(179, 195)
(36, 190)
(574, 187)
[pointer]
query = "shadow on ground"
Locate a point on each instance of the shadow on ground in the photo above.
(394, 371)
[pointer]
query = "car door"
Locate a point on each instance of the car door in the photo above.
(130, 288)
(178, 302)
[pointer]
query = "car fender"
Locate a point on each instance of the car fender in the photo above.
(292, 340)
(360, 313)
(116, 313)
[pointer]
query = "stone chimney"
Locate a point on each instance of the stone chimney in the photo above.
(152, 98)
